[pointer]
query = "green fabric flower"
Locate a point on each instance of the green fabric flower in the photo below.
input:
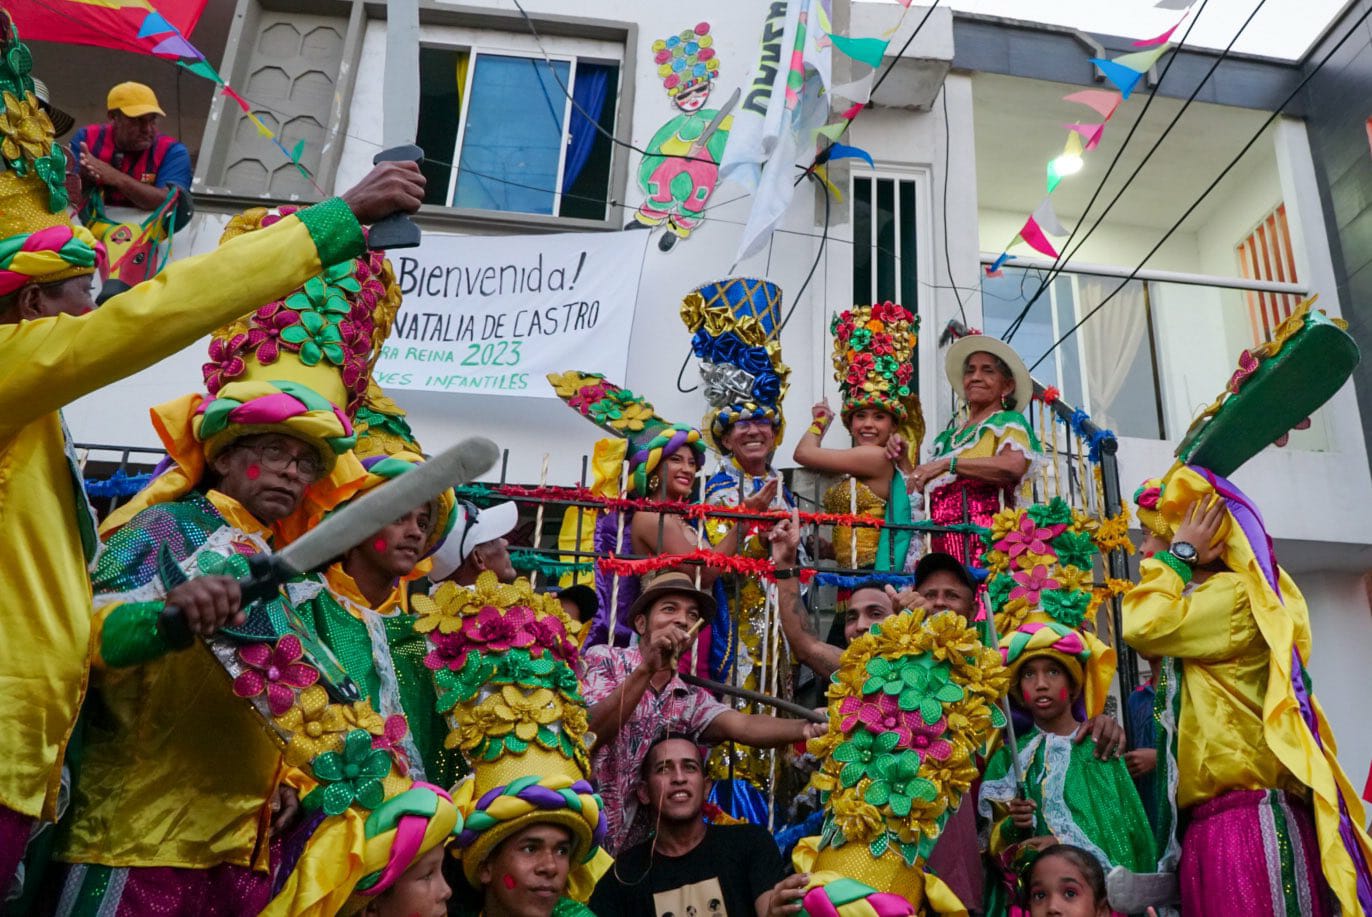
(998, 589)
(352, 775)
(1066, 606)
(919, 683)
(896, 782)
(887, 365)
(860, 339)
(327, 292)
(457, 687)
(1054, 512)
(52, 171)
(1075, 549)
(316, 337)
(861, 752)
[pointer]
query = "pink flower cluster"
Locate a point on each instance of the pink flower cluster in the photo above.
(491, 630)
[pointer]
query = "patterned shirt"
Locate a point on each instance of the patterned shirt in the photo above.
(617, 767)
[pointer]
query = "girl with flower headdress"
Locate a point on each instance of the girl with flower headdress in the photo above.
(873, 353)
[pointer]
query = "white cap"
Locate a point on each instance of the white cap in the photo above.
(469, 533)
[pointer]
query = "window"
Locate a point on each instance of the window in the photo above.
(885, 268)
(1266, 255)
(518, 133)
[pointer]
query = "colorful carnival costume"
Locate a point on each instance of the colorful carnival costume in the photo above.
(953, 498)
(644, 440)
(735, 325)
(1041, 560)
(681, 166)
(378, 645)
(157, 820)
(874, 352)
(49, 532)
(913, 703)
(1244, 748)
(505, 667)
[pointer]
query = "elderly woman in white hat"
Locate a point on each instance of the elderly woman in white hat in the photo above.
(980, 459)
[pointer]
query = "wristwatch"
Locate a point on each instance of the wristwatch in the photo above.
(1185, 552)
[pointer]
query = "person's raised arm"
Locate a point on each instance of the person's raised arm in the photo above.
(809, 649)
(49, 362)
(607, 714)
(859, 461)
(1004, 469)
(759, 730)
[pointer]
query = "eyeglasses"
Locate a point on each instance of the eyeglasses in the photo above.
(276, 457)
(753, 423)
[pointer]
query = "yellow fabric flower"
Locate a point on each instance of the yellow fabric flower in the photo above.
(361, 716)
(569, 383)
(472, 727)
(447, 607)
(524, 713)
(858, 820)
(314, 726)
(26, 128)
(693, 310)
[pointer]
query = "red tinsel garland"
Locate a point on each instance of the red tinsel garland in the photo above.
(754, 567)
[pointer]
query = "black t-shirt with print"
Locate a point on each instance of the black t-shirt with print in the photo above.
(722, 877)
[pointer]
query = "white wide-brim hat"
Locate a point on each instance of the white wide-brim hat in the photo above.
(964, 347)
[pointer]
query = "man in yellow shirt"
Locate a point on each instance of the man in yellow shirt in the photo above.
(53, 350)
(1273, 825)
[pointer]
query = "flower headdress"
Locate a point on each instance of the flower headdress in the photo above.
(504, 662)
(686, 60)
(1041, 560)
(381, 426)
(38, 241)
(735, 325)
(912, 704)
(874, 352)
(628, 416)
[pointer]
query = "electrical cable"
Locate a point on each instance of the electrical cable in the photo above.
(1063, 257)
(947, 153)
(1276, 113)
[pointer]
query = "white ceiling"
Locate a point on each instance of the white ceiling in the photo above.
(1019, 128)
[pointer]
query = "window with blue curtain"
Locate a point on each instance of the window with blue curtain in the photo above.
(553, 158)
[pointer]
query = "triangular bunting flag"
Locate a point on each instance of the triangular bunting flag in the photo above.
(299, 150)
(1103, 101)
(1141, 61)
(1033, 237)
(843, 151)
(1173, 4)
(832, 131)
(1054, 178)
(1047, 218)
(993, 269)
(1161, 39)
(176, 46)
(823, 172)
(1124, 78)
(1090, 133)
(905, 3)
(867, 50)
(859, 90)
(852, 112)
(261, 128)
(154, 24)
(238, 99)
(202, 68)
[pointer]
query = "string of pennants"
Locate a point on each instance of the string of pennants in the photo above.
(172, 45)
(1124, 72)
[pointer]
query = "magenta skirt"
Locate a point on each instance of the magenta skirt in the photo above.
(1252, 852)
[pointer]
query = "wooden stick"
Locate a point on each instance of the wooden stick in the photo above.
(619, 539)
(757, 697)
(538, 518)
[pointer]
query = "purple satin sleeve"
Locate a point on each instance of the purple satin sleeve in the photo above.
(1246, 514)
(606, 528)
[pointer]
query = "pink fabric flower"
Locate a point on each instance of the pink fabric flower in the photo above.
(588, 396)
(880, 712)
(928, 740)
(490, 630)
(389, 741)
(226, 362)
(1032, 582)
(265, 334)
(549, 632)
(1029, 538)
(275, 672)
(449, 651)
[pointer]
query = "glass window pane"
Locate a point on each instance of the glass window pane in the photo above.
(862, 246)
(586, 172)
(886, 240)
(512, 163)
(1002, 298)
(1118, 356)
(442, 73)
(1064, 297)
(909, 263)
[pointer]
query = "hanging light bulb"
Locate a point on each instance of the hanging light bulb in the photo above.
(1069, 163)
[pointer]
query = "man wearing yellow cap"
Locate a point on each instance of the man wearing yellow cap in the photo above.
(53, 350)
(126, 158)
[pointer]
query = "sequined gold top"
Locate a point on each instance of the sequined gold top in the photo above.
(837, 499)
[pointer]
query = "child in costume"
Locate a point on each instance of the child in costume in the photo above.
(735, 327)
(1068, 793)
(1064, 881)
(874, 350)
(913, 703)
(978, 464)
(505, 667)
(1244, 749)
(158, 821)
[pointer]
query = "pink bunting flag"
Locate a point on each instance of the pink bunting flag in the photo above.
(1161, 39)
(1033, 236)
(238, 99)
(1103, 101)
(852, 112)
(1090, 134)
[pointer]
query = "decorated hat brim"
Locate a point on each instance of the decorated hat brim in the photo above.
(964, 347)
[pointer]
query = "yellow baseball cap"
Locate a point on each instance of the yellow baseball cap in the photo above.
(135, 100)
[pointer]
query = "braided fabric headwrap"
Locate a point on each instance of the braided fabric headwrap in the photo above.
(247, 408)
(1146, 499)
(646, 454)
(383, 468)
(47, 256)
(400, 831)
(833, 895)
(1045, 638)
(501, 811)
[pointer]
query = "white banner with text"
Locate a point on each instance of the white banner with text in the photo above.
(495, 314)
